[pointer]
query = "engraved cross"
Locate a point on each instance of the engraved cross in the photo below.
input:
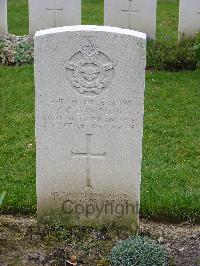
(88, 155)
(130, 12)
(54, 10)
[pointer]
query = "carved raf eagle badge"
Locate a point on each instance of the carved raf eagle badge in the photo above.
(90, 71)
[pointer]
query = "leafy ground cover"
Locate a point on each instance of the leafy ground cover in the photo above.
(171, 150)
(161, 55)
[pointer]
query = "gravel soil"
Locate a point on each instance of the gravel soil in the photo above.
(23, 242)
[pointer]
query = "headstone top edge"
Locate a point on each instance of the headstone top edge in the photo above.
(94, 28)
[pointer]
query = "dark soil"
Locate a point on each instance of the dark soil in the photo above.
(23, 242)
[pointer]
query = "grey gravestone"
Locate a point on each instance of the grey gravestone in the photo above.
(137, 15)
(3, 17)
(89, 124)
(189, 18)
(47, 14)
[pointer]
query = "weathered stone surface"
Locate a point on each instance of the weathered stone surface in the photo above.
(3, 17)
(137, 15)
(53, 13)
(189, 18)
(89, 123)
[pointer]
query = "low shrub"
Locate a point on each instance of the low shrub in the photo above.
(16, 50)
(138, 250)
(168, 55)
(196, 48)
(161, 55)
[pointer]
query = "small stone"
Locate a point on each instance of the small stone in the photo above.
(73, 259)
(30, 146)
(68, 263)
(32, 256)
(36, 238)
(42, 258)
(160, 240)
(3, 238)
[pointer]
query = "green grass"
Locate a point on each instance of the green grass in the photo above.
(92, 13)
(18, 17)
(17, 160)
(171, 165)
(171, 151)
(167, 19)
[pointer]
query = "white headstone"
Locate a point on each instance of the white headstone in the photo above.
(3, 17)
(189, 18)
(137, 15)
(45, 14)
(89, 123)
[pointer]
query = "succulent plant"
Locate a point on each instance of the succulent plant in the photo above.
(138, 250)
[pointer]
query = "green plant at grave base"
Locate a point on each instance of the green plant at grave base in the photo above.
(140, 251)
(2, 44)
(196, 48)
(2, 51)
(161, 55)
(16, 50)
(24, 53)
(167, 55)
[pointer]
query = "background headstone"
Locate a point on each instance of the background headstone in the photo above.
(189, 18)
(89, 123)
(139, 15)
(3, 17)
(53, 13)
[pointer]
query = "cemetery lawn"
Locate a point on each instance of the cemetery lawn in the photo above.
(171, 150)
(92, 13)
